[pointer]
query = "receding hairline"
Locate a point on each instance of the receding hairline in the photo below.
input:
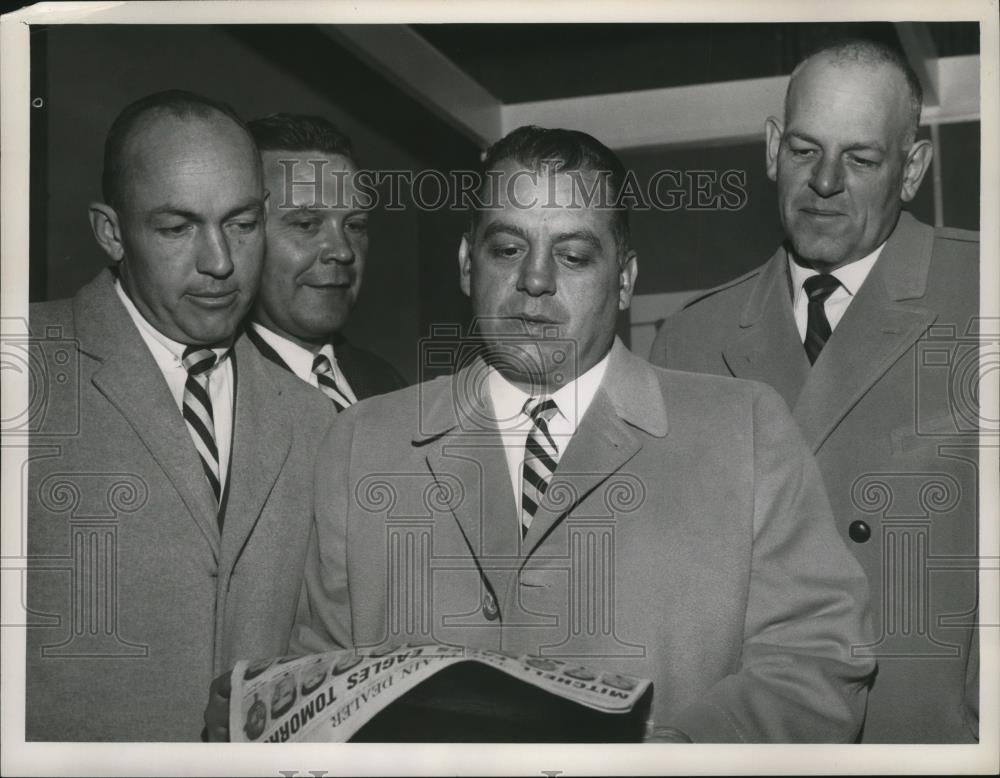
(132, 148)
(870, 56)
(211, 116)
(117, 165)
(148, 123)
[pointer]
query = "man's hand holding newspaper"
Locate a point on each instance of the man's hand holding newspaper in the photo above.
(344, 695)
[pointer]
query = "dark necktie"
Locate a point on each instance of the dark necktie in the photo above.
(540, 457)
(327, 384)
(818, 288)
(197, 412)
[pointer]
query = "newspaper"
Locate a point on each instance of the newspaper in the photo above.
(329, 697)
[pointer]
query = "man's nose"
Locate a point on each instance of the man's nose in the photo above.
(335, 246)
(214, 254)
(827, 176)
(537, 275)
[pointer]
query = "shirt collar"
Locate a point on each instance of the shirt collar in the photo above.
(164, 348)
(299, 359)
(573, 399)
(851, 275)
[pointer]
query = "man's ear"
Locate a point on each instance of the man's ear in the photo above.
(627, 273)
(107, 229)
(918, 162)
(773, 129)
(465, 265)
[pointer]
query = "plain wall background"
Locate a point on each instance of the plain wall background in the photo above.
(85, 74)
(92, 71)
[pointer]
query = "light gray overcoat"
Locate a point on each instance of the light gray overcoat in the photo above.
(136, 600)
(890, 411)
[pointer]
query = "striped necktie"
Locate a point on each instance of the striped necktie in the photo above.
(818, 288)
(198, 361)
(323, 370)
(540, 457)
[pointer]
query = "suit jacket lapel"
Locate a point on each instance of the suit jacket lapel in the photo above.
(767, 347)
(629, 398)
(601, 445)
(265, 348)
(462, 443)
(261, 441)
(348, 364)
(463, 448)
(881, 323)
(131, 381)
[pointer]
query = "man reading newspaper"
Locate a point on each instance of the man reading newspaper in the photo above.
(432, 693)
(556, 495)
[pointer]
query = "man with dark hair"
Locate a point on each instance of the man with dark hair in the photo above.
(571, 151)
(317, 244)
(863, 322)
(169, 499)
(560, 496)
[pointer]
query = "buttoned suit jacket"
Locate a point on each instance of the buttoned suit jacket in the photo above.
(685, 537)
(135, 600)
(890, 411)
(367, 373)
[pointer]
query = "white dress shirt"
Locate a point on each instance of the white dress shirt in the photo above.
(168, 355)
(851, 277)
(300, 360)
(508, 401)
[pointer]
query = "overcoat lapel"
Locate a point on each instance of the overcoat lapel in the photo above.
(881, 323)
(264, 348)
(606, 439)
(601, 445)
(132, 382)
(767, 346)
(358, 378)
(461, 442)
(463, 447)
(261, 441)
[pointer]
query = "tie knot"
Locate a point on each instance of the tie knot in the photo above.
(540, 408)
(198, 359)
(321, 365)
(821, 286)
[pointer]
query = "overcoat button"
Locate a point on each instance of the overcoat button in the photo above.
(490, 609)
(859, 531)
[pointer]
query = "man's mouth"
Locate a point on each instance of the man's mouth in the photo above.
(536, 325)
(533, 318)
(821, 213)
(214, 299)
(328, 286)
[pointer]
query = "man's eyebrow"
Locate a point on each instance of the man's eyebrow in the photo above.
(871, 146)
(253, 204)
(175, 210)
(168, 209)
(298, 210)
(496, 227)
(860, 146)
(587, 236)
(291, 211)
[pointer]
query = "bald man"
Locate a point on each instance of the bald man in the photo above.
(865, 322)
(170, 488)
